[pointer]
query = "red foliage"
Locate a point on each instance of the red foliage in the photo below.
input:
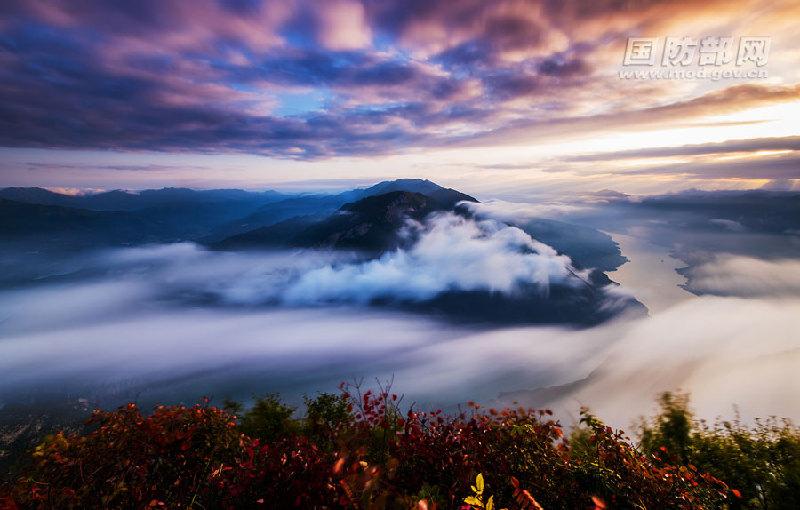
(182, 457)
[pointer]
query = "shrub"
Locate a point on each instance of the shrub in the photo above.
(326, 415)
(761, 463)
(361, 451)
(268, 419)
(128, 460)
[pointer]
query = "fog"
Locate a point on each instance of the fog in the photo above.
(522, 211)
(724, 351)
(449, 253)
(446, 252)
(176, 322)
(728, 275)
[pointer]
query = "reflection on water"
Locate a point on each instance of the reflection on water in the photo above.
(649, 273)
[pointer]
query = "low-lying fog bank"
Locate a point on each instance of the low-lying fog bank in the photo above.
(170, 323)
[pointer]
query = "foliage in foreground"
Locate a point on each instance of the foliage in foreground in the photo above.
(359, 451)
(761, 462)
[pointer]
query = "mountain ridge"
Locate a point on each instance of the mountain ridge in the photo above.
(173, 214)
(370, 223)
(122, 200)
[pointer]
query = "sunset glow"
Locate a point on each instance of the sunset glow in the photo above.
(499, 95)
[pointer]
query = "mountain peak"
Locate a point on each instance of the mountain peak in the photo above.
(422, 186)
(395, 199)
(34, 194)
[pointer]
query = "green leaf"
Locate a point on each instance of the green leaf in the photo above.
(490, 503)
(479, 482)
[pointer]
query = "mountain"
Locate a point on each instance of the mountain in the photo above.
(577, 305)
(422, 186)
(319, 206)
(367, 220)
(52, 226)
(39, 196)
(369, 224)
(756, 210)
(586, 246)
(173, 214)
(119, 200)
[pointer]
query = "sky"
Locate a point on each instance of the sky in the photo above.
(497, 98)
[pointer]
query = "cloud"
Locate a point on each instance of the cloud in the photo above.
(118, 340)
(786, 143)
(733, 226)
(780, 167)
(717, 102)
(782, 185)
(723, 351)
(452, 253)
(445, 253)
(76, 191)
(728, 275)
(221, 76)
(171, 323)
(152, 167)
(521, 211)
(344, 26)
(152, 319)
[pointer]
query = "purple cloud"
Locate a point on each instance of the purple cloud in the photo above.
(227, 76)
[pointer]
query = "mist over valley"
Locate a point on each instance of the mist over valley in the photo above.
(452, 297)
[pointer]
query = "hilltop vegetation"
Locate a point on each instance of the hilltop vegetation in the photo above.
(357, 450)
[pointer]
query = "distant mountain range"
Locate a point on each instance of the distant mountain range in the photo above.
(119, 200)
(309, 208)
(164, 215)
(370, 223)
(170, 214)
(36, 222)
(67, 227)
(362, 218)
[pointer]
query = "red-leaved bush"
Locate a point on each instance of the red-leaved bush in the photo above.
(371, 457)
